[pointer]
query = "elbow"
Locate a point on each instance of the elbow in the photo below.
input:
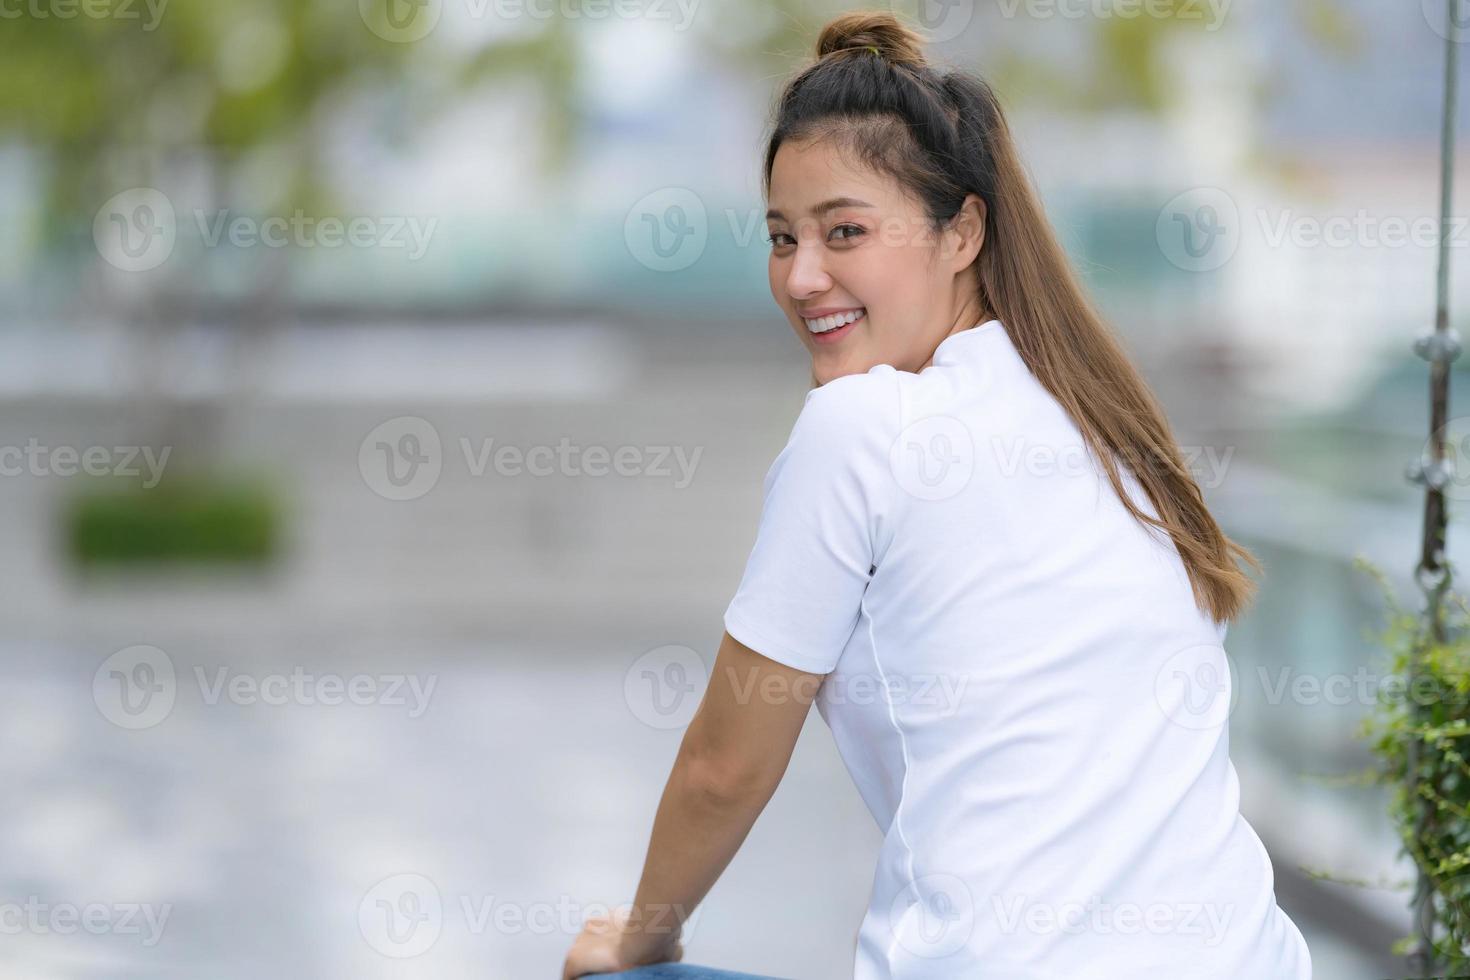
(724, 783)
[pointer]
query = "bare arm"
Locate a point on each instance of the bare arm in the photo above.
(734, 753)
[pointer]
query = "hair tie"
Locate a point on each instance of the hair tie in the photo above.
(874, 48)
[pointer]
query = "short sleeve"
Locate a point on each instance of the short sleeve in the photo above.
(826, 498)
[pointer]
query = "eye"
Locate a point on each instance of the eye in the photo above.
(777, 239)
(854, 229)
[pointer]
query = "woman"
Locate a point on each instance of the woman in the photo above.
(980, 500)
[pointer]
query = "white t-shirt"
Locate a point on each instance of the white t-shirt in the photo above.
(1019, 681)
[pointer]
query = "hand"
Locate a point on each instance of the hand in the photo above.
(606, 946)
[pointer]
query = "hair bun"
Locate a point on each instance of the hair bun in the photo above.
(879, 32)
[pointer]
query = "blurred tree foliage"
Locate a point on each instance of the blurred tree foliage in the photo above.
(110, 94)
(236, 75)
(1124, 69)
(231, 76)
(1128, 69)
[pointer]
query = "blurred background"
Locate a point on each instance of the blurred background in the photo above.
(386, 389)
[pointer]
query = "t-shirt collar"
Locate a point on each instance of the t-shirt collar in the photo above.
(949, 345)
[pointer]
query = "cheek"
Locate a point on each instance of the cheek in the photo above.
(895, 284)
(885, 278)
(778, 270)
(911, 273)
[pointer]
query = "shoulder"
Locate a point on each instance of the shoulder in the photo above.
(845, 431)
(853, 410)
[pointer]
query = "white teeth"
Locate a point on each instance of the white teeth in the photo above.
(832, 322)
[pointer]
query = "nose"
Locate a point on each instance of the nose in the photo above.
(807, 276)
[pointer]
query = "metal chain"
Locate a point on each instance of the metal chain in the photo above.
(1439, 347)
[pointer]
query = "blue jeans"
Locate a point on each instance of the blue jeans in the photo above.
(678, 971)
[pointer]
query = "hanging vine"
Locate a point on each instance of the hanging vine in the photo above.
(1421, 726)
(1420, 733)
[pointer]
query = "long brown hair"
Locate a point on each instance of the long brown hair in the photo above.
(941, 133)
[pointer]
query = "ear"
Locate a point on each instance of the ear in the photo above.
(965, 233)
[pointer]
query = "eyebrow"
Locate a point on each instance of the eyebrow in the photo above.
(824, 207)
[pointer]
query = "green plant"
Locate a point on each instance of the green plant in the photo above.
(1419, 732)
(196, 518)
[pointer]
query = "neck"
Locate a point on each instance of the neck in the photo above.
(971, 313)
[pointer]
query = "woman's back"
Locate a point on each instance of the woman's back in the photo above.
(1030, 701)
(1010, 650)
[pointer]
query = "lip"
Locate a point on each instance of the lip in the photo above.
(834, 336)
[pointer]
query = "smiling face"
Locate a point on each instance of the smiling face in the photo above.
(857, 268)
